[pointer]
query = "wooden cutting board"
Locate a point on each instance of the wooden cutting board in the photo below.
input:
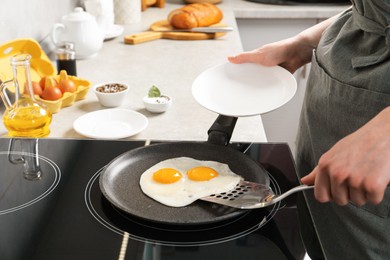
(203, 1)
(157, 32)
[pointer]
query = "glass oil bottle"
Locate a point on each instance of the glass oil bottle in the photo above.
(24, 116)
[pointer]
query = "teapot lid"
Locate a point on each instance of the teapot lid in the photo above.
(78, 15)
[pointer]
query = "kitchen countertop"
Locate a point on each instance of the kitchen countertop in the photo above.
(172, 66)
(249, 10)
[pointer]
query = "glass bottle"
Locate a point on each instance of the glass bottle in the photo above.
(25, 116)
(66, 58)
(29, 157)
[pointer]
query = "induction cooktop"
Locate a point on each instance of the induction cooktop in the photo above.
(51, 207)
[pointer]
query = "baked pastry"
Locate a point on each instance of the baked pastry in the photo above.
(203, 1)
(195, 15)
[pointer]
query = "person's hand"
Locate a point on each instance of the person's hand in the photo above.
(290, 54)
(357, 168)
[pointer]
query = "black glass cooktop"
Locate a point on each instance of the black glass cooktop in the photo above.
(51, 207)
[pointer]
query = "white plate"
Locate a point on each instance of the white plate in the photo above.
(110, 123)
(114, 31)
(243, 89)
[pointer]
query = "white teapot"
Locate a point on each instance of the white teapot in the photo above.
(82, 29)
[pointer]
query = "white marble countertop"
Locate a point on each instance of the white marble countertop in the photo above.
(172, 66)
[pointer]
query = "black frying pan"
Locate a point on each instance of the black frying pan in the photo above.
(119, 181)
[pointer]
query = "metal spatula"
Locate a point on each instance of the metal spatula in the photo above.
(250, 195)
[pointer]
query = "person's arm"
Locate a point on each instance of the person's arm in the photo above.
(312, 35)
(357, 168)
(291, 53)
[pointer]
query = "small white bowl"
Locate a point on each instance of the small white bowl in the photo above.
(113, 98)
(157, 105)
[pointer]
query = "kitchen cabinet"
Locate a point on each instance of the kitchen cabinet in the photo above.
(280, 125)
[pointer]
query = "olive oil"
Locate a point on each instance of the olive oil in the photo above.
(27, 121)
(25, 117)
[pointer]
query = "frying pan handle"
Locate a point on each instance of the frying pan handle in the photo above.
(221, 130)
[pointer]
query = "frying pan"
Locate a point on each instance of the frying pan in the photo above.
(119, 181)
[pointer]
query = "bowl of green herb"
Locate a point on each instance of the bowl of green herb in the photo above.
(155, 102)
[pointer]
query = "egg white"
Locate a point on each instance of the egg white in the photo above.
(186, 191)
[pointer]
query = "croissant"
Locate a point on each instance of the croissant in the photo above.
(195, 15)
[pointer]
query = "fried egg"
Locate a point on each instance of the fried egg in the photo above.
(180, 181)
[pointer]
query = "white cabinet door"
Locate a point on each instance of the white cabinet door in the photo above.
(280, 125)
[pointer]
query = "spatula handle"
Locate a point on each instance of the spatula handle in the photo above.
(142, 37)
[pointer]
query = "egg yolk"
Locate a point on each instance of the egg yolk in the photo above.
(201, 173)
(167, 175)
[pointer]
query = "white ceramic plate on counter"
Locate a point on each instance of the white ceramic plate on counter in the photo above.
(110, 124)
(243, 89)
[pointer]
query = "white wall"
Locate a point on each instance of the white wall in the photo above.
(31, 18)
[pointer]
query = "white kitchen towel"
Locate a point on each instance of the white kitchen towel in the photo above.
(127, 11)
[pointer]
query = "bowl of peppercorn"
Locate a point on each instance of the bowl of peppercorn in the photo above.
(111, 94)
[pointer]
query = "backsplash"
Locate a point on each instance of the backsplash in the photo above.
(32, 18)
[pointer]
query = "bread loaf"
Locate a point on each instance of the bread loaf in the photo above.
(195, 15)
